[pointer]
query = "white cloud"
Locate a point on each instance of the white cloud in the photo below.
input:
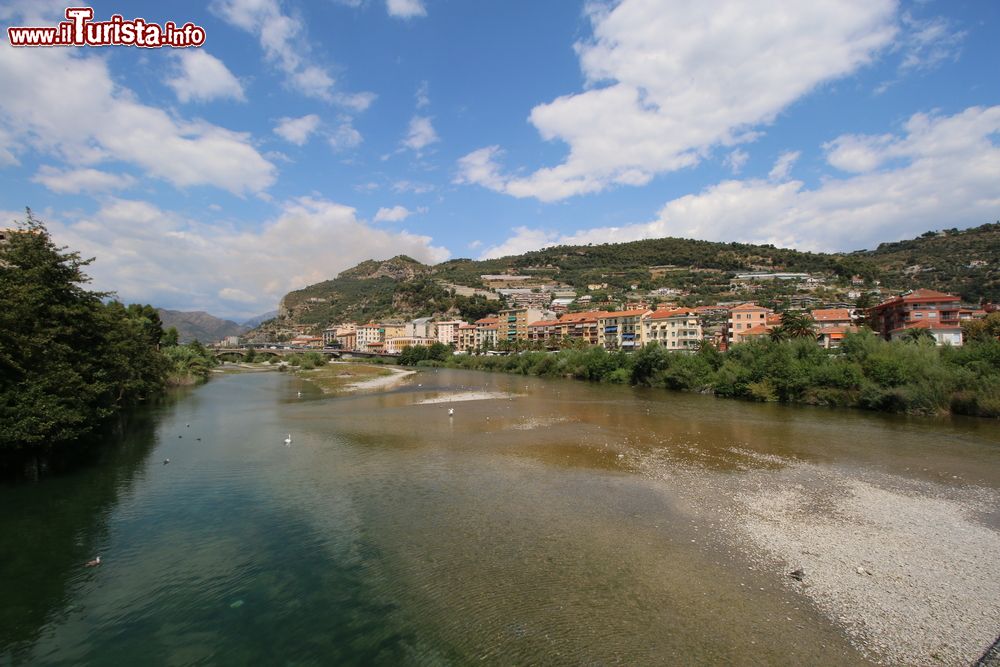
(736, 159)
(394, 214)
(783, 165)
(68, 105)
(344, 136)
(201, 77)
(412, 187)
(405, 9)
(945, 175)
(858, 153)
(81, 180)
(297, 130)
(665, 84)
(284, 42)
(420, 134)
(927, 43)
(151, 255)
(7, 157)
(423, 95)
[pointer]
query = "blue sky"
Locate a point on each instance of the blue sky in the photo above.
(304, 137)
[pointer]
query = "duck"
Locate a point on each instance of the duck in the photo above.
(166, 461)
(288, 440)
(93, 563)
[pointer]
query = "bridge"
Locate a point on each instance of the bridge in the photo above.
(284, 351)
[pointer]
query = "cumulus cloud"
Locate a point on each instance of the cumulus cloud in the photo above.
(394, 214)
(736, 159)
(155, 256)
(344, 136)
(201, 77)
(420, 134)
(68, 105)
(297, 130)
(405, 9)
(283, 39)
(665, 84)
(941, 171)
(74, 181)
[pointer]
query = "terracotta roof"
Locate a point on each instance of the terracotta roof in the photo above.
(747, 306)
(668, 313)
(488, 320)
(831, 314)
(758, 330)
(623, 313)
(543, 323)
(588, 316)
(928, 324)
(467, 326)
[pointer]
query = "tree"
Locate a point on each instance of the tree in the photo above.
(918, 335)
(794, 324)
(67, 360)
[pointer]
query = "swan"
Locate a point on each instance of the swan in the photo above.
(288, 440)
(451, 411)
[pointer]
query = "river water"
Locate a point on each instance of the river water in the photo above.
(555, 523)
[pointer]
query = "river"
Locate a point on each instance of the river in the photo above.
(555, 522)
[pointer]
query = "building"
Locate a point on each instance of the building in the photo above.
(466, 338)
(743, 318)
(944, 334)
(307, 341)
(561, 305)
(486, 333)
(913, 308)
(447, 332)
(504, 280)
(672, 328)
(422, 327)
(513, 323)
(231, 341)
(394, 329)
(831, 337)
(396, 345)
(620, 329)
(581, 326)
(347, 338)
(832, 317)
(368, 334)
(547, 332)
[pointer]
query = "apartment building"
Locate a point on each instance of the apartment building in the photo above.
(447, 332)
(368, 334)
(676, 329)
(396, 345)
(422, 327)
(937, 312)
(548, 332)
(466, 338)
(513, 323)
(486, 332)
(620, 329)
(831, 317)
(581, 326)
(746, 321)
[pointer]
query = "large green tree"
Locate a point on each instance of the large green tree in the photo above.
(68, 360)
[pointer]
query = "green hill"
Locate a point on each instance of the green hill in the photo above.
(963, 262)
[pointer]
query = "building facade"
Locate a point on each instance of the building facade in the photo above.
(912, 309)
(676, 329)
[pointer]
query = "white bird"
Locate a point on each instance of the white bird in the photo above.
(166, 461)
(93, 563)
(288, 440)
(300, 394)
(451, 411)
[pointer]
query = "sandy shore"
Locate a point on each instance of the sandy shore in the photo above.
(910, 570)
(465, 396)
(380, 382)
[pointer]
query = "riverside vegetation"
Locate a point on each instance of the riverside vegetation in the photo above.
(911, 377)
(70, 358)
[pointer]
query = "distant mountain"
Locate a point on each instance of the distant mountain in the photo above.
(199, 326)
(257, 320)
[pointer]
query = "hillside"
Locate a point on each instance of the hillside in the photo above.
(199, 325)
(963, 262)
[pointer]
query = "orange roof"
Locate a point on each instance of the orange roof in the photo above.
(927, 324)
(543, 323)
(668, 312)
(488, 320)
(919, 295)
(747, 306)
(831, 314)
(467, 326)
(758, 330)
(773, 319)
(623, 313)
(588, 316)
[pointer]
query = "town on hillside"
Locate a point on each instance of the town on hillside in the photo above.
(551, 317)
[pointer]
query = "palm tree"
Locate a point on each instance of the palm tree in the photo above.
(795, 324)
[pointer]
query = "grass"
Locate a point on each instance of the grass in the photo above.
(336, 377)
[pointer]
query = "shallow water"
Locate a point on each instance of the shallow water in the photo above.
(525, 529)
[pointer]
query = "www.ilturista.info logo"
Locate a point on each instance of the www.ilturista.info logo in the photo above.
(80, 30)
